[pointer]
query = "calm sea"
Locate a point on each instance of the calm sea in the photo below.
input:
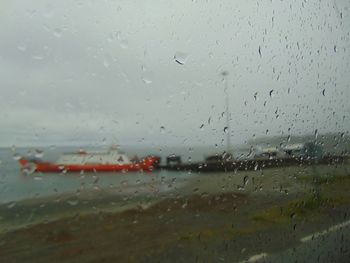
(14, 185)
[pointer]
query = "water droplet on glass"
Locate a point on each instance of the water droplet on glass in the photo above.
(30, 13)
(37, 57)
(29, 168)
(335, 48)
(324, 92)
(107, 61)
(39, 154)
(225, 129)
(245, 180)
(110, 37)
(271, 93)
(11, 205)
(23, 92)
(180, 58)
(146, 80)
(22, 47)
(255, 95)
(37, 178)
(48, 12)
(73, 202)
(200, 127)
(57, 32)
(124, 44)
(316, 134)
(117, 35)
(16, 156)
(259, 50)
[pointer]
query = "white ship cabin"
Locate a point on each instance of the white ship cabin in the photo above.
(82, 157)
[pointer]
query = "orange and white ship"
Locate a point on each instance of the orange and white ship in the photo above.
(109, 161)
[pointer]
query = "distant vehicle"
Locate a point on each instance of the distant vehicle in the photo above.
(269, 153)
(294, 150)
(305, 150)
(109, 161)
(173, 160)
(225, 157)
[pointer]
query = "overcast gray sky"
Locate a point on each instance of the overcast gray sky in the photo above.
(77, 72)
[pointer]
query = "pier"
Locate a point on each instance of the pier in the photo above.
(251, 164)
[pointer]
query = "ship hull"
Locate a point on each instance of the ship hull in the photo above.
(147, 164)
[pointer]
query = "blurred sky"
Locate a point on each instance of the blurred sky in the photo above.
(101, 72)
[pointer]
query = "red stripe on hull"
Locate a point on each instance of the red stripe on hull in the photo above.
(146, 164)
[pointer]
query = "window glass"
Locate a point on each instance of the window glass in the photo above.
(174, 131)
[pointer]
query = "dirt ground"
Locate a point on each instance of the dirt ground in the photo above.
(196, 229)
(202, 227)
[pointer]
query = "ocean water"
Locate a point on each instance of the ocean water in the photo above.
(14, 185)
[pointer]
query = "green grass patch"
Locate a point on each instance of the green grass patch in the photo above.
(328, 179)
(205, 234)
(273, 215)
(301, 208)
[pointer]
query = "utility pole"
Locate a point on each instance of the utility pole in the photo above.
(227, 128)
